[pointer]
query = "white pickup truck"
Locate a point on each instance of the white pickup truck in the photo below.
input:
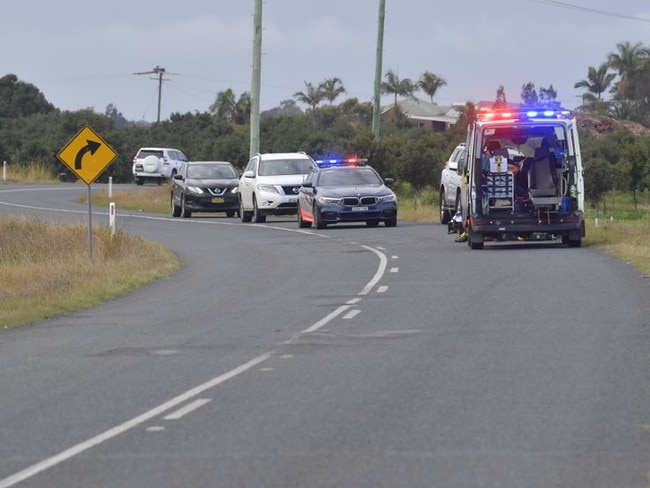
(450, 184)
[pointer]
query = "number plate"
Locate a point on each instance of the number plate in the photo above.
(359, 209)
(217, 199)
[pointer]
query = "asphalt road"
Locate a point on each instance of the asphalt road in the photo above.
(344, 357)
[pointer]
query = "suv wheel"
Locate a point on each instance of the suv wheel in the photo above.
(244, 215)
(139, 181)
(444, 213)
(185, 212)
(258, 218)
(176, 210)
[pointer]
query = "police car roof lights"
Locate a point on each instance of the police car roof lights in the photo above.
(330, 163)
(522, 113)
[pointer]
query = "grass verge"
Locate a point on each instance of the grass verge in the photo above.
(46, 270)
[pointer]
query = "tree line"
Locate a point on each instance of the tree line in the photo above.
(33, 130)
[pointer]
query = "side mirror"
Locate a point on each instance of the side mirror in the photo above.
(178, 176)
(307, 184)
(388, 181)
(249, 174)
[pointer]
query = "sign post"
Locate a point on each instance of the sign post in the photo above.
(87, 155)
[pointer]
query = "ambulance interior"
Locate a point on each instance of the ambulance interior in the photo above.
(525, 170)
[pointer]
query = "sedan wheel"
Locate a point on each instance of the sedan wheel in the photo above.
(317, 222)
(302, 223)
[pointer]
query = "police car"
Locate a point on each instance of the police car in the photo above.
(346, 190)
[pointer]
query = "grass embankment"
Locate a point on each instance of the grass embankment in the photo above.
(45, 268)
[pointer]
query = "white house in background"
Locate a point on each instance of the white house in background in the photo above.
(425, 114)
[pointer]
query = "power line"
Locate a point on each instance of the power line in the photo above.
(557, 3)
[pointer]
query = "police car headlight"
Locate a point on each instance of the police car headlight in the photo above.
(326, 200)
(234, 190)
(268, 188)
(194, 189)
(387, 198)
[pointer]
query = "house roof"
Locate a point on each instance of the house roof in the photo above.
(418, 109)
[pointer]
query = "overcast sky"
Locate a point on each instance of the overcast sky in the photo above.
(84, 54)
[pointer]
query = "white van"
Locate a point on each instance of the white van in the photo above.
(523, 176)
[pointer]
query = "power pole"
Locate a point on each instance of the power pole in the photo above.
(376, 108)
(160, 72)
(254, 147)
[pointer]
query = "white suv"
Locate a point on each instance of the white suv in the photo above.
(270, 185)
(450, 184)
(157, 163)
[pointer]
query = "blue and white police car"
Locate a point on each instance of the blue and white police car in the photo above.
(346, 190)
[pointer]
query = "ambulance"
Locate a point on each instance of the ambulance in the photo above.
(522, 178)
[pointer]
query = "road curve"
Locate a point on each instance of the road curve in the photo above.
(349, 356)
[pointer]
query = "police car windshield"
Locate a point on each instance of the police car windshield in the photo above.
(348, 177)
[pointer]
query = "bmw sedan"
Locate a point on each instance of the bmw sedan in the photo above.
(348, 191)
(205, 186)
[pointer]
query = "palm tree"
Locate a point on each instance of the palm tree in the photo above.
(331, 89)
(430, 83)
(597, 82)
(628, 63)
(628, 59)
(312, 96)
(394, 86)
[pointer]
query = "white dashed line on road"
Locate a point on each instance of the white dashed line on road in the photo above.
(352, 313)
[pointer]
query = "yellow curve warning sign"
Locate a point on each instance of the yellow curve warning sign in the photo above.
(87, 155)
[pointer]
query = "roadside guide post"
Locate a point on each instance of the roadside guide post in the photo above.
(111, 217)
(87, 155)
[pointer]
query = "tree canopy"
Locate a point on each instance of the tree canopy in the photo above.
(32, 130)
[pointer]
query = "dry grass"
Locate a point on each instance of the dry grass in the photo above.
(628, 240)
(153, 199)
(30, 173)
(46, 270)
(417, 206)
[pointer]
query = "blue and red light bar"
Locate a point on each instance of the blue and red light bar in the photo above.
(329, 163)
(522, 113)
